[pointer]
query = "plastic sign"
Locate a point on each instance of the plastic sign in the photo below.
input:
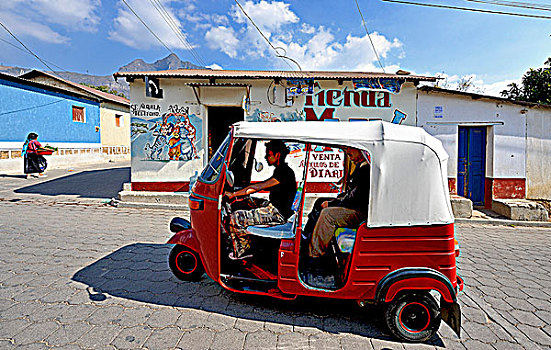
(153, 88)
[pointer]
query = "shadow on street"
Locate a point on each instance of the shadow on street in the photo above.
(105, 183)
(140, 272)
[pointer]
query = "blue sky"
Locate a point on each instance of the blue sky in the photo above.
(98, 36)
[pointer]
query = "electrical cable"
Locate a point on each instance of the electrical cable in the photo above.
(369, 36)
(268, 41)
(167, 17)
(20, 49)
(34, 107)
(468, 9)
(151, 31)
(29, 50)
(531, 6)
(181, 35)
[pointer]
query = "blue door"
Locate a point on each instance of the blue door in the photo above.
(471, 163)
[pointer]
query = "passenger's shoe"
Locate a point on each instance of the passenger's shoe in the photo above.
(240, 257)
(42, 175)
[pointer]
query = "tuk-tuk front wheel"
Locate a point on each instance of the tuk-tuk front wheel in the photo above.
(413, 317)
(185, 263)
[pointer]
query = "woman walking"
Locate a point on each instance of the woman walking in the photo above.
(33, 162)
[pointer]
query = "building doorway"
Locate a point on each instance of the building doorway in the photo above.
(219, 121)
(471, 163)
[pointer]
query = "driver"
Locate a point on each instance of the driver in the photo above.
(282, 187)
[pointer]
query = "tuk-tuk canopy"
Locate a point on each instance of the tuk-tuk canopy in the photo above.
(409, 180)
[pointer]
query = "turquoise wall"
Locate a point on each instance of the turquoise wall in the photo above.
(27, 108)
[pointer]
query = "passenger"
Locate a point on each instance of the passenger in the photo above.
(349, 209)
(282, 186)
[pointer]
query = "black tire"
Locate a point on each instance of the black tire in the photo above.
(185, 263)
(413, 317)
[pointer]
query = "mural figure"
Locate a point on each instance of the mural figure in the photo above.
(180, 133)
(158, 144)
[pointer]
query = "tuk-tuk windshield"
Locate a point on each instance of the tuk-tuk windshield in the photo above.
(213, 168)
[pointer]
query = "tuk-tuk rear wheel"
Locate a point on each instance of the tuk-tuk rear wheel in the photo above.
(185, 264)
(413, 317)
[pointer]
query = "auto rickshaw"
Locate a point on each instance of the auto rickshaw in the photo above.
(402, 257)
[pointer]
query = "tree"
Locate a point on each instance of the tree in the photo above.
(536, 86)
(107, 89)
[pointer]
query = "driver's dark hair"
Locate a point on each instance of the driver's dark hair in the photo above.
(278, 146)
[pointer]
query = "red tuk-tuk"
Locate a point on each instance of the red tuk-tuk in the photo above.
(400, 257)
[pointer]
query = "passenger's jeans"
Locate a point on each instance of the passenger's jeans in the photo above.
(329, 220)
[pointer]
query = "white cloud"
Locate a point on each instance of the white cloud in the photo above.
(323, 52)
(26, 27)
(73, 15)
(223, 39)
(128, 29)
(267, 15)
(477, 85)
(215, 66)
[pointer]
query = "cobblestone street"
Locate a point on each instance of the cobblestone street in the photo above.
(93, 276)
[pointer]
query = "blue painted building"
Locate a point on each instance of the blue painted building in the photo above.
(62, 118)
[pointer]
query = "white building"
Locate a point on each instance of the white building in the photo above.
(498, 148)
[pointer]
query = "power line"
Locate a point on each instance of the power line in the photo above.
(20, 49)
(369, 36)
(34, 107)
(167, 17)
(468, 9)
(531, 6)
(284, 57)
(29, 50)
(151, 31)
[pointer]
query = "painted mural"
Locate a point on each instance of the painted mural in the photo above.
(267, 116)
(172, 135)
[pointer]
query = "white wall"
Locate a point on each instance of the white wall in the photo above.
(506, 129)
(157, 166)
(538, 157)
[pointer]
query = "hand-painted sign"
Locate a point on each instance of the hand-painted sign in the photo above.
(330, 99)
(389, 84)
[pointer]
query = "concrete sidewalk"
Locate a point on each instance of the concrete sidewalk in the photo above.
(101, 183)
(81, 184)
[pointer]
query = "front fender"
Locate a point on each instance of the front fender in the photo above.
(414, 279)
(187, 238)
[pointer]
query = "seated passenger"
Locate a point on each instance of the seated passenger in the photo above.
(282, 186)
(349, 209)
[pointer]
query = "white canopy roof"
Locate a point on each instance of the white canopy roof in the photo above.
(409, 180)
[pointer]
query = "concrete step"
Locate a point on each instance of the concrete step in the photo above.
(520, 209)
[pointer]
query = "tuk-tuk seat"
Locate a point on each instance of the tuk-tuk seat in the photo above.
(283, 231)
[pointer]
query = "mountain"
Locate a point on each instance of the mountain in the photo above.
(170, 62)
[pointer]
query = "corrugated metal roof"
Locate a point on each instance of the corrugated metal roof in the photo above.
(219, 84)
(48, 87)
(102, 95)
(257, 74)
(475, 96)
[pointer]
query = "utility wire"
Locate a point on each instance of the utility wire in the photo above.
(167, 17)
(284, 57)
(34, 107)
(369, 36)
(25, 51)
(29, 50)
(151, 31)
(468, 9)
(531, 6)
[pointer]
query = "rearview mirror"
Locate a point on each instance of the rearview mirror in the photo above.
(230, 178)
(258, 166)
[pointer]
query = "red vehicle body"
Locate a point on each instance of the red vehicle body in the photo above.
(392, 266)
